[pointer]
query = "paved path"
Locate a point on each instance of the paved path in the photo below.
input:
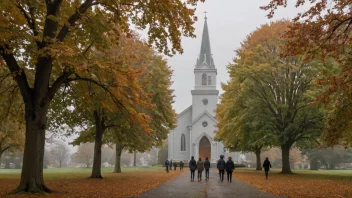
(182, 187)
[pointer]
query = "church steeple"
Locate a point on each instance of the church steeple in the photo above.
(205, 57)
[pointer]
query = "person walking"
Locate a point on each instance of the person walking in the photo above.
(170, 165)
(192, 167)
(181, 165)
(206, 167)
(167, 165)
(200, 168)
(230, 166)
(175, 165)
(221, 167)
(266, 166)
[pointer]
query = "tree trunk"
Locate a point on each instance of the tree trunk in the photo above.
(17, 164)
(1, 152)
(286, 169)
(259, 162)
(135, 158)
(87, 162)
(314, 164)
(96, 171)
(33, 156)
(60, 164)
(118, 150)
(7, 164)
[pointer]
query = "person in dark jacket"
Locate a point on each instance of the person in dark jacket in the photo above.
(181, 165)
(221, 167)
(200, 168)
(230, 166)
(192, 167)
(167, 165)
(266, 166)
(175, 165)
(170, 165)
(206, 167)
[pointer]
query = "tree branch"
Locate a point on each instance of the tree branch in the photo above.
(29, 17)
(73, 18)
(19, 74)
(57, 84)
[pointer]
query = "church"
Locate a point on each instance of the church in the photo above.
(196, 125)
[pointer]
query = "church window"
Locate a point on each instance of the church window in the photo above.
(205, 124)
(209, 80)
(205, 102)
(183, 142)
(204, 79)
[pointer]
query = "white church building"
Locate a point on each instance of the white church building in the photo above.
(196, 125)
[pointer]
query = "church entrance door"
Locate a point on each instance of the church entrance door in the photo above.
(204, 148)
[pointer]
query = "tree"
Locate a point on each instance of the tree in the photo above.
(84, 154)
(239, 125)
(153, 98)
(279, 89)
(324, 30)
(162, 115)
(45, 43)
(59, 152)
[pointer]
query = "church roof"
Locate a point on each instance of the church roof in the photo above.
(202, 114)
(205, 56)
(184, 111)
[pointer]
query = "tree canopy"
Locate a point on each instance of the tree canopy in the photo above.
(324, 31)
(270, 93)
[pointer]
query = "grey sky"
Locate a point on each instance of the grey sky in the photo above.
(229, 22)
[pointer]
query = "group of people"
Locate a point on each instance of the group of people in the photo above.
(229, 166)
(169, 164)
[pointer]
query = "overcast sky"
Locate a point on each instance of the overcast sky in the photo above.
(229, 22)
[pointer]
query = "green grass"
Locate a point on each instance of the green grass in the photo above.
(56, 173)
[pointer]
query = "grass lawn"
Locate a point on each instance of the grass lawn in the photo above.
(74, 182)
(303, 183)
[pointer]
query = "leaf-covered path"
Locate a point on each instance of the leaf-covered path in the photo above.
(183, 187)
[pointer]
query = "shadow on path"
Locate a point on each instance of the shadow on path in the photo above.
(183, 187)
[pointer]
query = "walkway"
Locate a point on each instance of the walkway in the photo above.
(183, 187)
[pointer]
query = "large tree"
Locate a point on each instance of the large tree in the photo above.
(240, 125)
(278, 90)
(156, 81)
(45, 43)
(324, 30)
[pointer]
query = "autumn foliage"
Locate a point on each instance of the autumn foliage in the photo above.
(324, 31)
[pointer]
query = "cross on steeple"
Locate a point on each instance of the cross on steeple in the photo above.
(205, 15)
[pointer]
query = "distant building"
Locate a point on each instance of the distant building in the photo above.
(196, 125)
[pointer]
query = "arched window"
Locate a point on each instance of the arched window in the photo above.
(204, 79)
(209, 80)
(183, 142)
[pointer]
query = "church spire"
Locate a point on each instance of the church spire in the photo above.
(205, 56)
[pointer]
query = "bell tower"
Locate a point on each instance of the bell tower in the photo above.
(205, 94)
